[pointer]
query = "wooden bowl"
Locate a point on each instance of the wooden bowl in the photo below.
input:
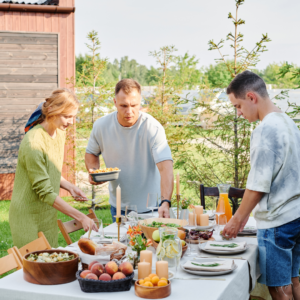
(50, 273)
(148, 231)
(155, 292)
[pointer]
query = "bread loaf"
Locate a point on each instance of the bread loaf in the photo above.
(87, 246)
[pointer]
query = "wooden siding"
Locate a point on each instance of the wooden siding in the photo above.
(16, 91)
(14, 111)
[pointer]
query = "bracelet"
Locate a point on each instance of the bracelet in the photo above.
(165, 200)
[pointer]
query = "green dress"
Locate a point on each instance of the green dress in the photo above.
(37, 183)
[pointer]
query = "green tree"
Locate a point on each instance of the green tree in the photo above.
(220, 152)
(271, 75)
(94, 94)
(185, 72)
(218, 75)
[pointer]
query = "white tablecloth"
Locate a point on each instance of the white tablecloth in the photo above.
(235, 286)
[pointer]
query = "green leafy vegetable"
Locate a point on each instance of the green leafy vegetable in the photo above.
(203, 265)
(232, 245)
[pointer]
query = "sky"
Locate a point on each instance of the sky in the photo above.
(133, 28)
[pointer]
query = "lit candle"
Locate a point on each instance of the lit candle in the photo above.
(143, 270)
(146, 255)
(162, 269)
(118, 201)
(177, 184)
(204, 220)
(192, 218)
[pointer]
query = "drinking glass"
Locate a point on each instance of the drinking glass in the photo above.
(190, 217)
(152, 201)
(219, 210)
(131, 215)
(99, 224)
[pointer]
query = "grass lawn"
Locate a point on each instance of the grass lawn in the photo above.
(5, 234)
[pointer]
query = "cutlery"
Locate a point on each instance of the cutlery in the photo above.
(235, 257)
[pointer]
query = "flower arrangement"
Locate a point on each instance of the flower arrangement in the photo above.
(137, 242)
(186, 203)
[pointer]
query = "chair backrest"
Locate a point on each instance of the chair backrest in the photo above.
(72, 226)
(10, 262)
(41, 243)
(234, 194)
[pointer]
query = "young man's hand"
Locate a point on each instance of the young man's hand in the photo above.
(163, 211)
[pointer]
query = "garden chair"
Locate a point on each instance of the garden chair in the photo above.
(10, 262)
(72, 226)
(41, 243)
(234, 195)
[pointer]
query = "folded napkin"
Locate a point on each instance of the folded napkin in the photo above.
(211, 266)
(222, 246)
(87, 258)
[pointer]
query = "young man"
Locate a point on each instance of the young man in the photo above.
(136, 143)
(273, 186)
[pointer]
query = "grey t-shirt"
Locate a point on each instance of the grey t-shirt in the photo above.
(135, 150)
(275, 170)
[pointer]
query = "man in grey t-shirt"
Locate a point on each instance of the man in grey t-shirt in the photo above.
(136, 143)
(273, 186)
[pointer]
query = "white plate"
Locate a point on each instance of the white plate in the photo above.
(210, 226)
(201, 247)
(208, 273)
(171, 274)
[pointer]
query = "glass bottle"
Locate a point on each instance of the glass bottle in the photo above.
(223, 192)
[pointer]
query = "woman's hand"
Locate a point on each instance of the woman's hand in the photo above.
(76, 192)
(87, 223)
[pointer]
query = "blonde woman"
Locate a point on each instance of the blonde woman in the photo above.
(35, 199)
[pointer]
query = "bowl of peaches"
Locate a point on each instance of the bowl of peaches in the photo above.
(110, 277)
(107, 174)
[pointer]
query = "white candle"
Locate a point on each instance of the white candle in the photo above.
(177, 184)
(118, 201)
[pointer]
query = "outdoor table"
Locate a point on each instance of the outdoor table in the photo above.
(235, 285)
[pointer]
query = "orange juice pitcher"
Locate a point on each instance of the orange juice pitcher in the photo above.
(223, 191)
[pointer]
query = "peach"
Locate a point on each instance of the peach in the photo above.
(91, 276)
(118, 275)
(111, 268)
(181, 234)
(84, 273)
(97, 269)
(92, 263)
(126, 268)
(105, 277)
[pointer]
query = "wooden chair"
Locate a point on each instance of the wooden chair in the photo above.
(234, 195)
(41, 243)
(72, 226)
(10, 262)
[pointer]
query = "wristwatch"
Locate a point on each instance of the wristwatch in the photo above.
(165, 200)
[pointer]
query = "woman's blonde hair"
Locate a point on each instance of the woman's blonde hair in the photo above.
(61, 101)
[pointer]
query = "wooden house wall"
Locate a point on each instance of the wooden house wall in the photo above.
(63, 24)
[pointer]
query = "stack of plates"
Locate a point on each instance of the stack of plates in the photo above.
(249, 230)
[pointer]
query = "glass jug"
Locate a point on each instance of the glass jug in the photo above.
(169, 248)
(223, 191)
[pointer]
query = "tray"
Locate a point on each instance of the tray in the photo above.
(96, 286)
(107, 176)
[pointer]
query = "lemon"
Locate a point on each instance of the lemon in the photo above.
(161, 254)
(169, 242)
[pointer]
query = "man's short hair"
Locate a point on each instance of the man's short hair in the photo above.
(127, 85)
(245, 82)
